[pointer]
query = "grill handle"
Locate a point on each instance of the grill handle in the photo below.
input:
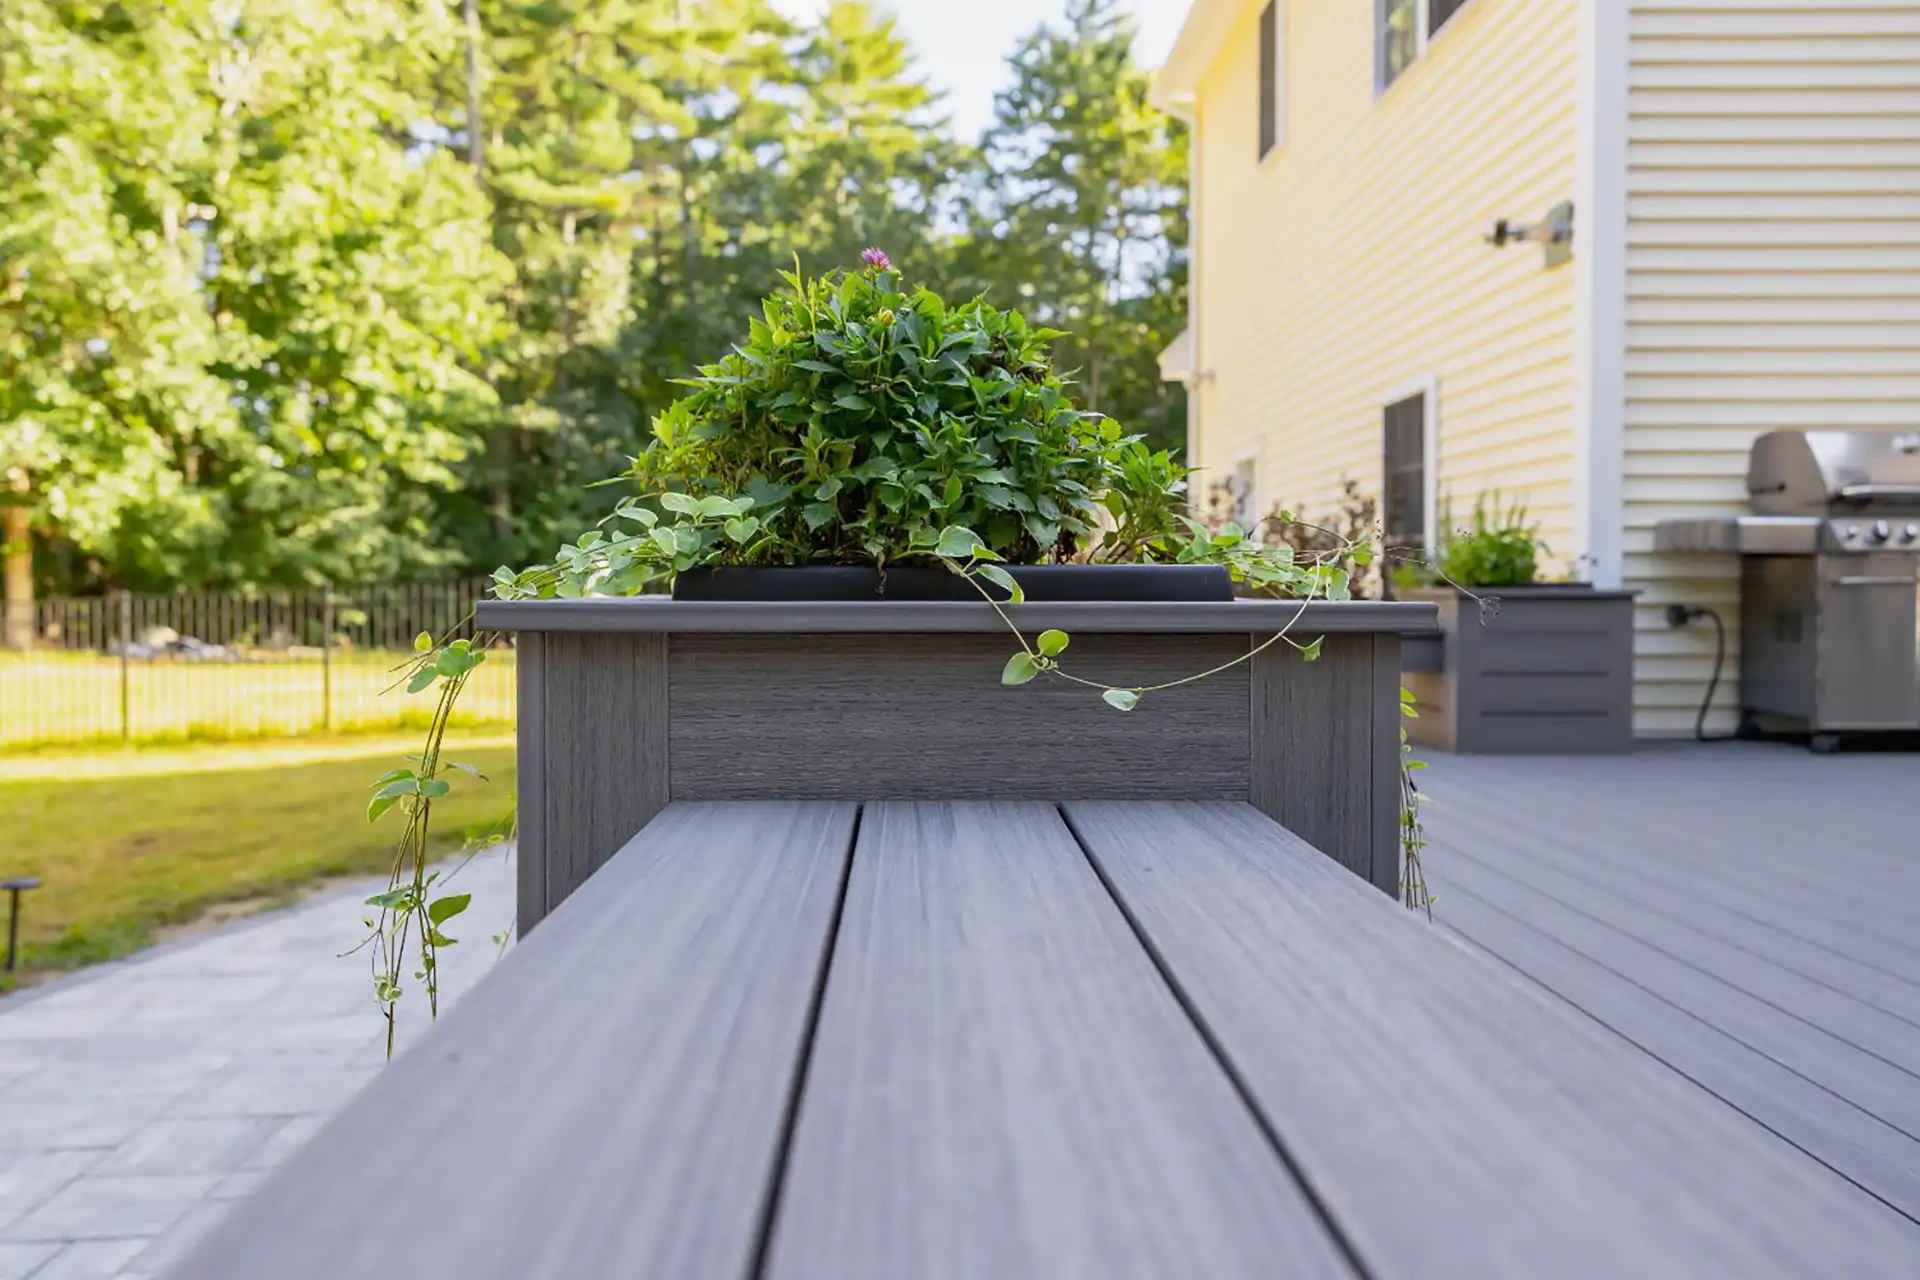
(1873, 580)
(1863, 492)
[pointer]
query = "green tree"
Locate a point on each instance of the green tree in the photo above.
(868, 159)
(293, 289)
(350, 270)
(105, 339)
(651, 166)
(1079, 215)
(240, 299)
(565, 95)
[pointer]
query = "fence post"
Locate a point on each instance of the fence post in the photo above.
(126, 646)
(326, 656)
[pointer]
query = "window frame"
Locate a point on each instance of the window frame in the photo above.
(1246, 503)
(1272, 113)
(1424, 35)
(1426, 389)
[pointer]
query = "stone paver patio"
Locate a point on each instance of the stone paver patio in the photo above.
(137, 1101)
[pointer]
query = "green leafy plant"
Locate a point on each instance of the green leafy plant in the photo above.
(859, 416)
(865, 423)
(1501, 548)
(1356, 521)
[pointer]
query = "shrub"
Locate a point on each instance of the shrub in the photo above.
(861, 419)
(1502, 548)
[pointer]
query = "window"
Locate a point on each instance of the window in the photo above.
(1402, 29)
(1273, 70)
(1245, 508)
(1404, 476)
(1438, 11)
(1398, 32)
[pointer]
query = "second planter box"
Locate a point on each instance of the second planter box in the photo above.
(1542, 668)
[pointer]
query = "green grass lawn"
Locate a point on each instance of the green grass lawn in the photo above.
(53, 699)
(121, 858)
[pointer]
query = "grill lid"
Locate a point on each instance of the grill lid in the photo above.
(1818, 473)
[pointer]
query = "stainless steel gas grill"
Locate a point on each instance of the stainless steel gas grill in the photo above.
(1828, 593)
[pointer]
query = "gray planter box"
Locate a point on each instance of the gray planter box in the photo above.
(628, 705)
(1550, 669)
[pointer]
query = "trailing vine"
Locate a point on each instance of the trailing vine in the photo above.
(865, 424)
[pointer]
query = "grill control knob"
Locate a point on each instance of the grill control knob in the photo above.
(1911, 533)
(1881, 531)
(1853, 531)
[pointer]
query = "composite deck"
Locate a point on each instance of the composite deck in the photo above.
(1748, 915)
(993, 1040)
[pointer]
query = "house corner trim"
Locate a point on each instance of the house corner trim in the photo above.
(1600, 288)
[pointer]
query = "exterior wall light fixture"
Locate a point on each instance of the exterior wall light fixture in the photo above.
(1553, 232)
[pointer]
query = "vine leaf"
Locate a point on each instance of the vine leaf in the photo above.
(422, 643)
(1052, 643)
(441, 910)
(1121, 699)
(1005, 581)
(957, 543)
(422, 678)
(1312, 652)
(1020, 668)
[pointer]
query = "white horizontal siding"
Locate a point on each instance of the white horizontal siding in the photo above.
(1773, 266)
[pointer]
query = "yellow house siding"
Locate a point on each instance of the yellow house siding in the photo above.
(1773, 262)
(1350, 264)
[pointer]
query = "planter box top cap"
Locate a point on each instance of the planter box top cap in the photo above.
(662, 614)
(1529, 591)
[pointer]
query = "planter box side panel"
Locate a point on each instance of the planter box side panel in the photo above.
(1437, 693)
(530, 784)
(925, 717)
(604, 743)
(1326, 738)
(1545, 675)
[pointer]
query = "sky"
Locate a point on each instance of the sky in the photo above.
(962, 45)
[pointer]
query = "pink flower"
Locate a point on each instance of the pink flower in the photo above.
(877, 259)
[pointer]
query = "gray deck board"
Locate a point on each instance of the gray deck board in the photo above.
(1748, 892)
(1454, 1118)
(1863, 1079)
(1692, 909)
(1002, 1084)
(1865, 1150)
(610, 1102)
(1774, 983)
(1732, 888)
(1832, 850)
(1666, 1023)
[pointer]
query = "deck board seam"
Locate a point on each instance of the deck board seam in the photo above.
(1488, 950)
(1649, 915)
(1697, 849)
(1694, 851)
(1746, 914)
(1295, 1169)
(1645, 887)
(769, 1217)
(1528, 886)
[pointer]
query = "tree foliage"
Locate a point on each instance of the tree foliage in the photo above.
(1080, 213)
(274, 308)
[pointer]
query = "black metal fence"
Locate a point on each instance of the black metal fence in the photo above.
(368, 617)
(134, 667)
